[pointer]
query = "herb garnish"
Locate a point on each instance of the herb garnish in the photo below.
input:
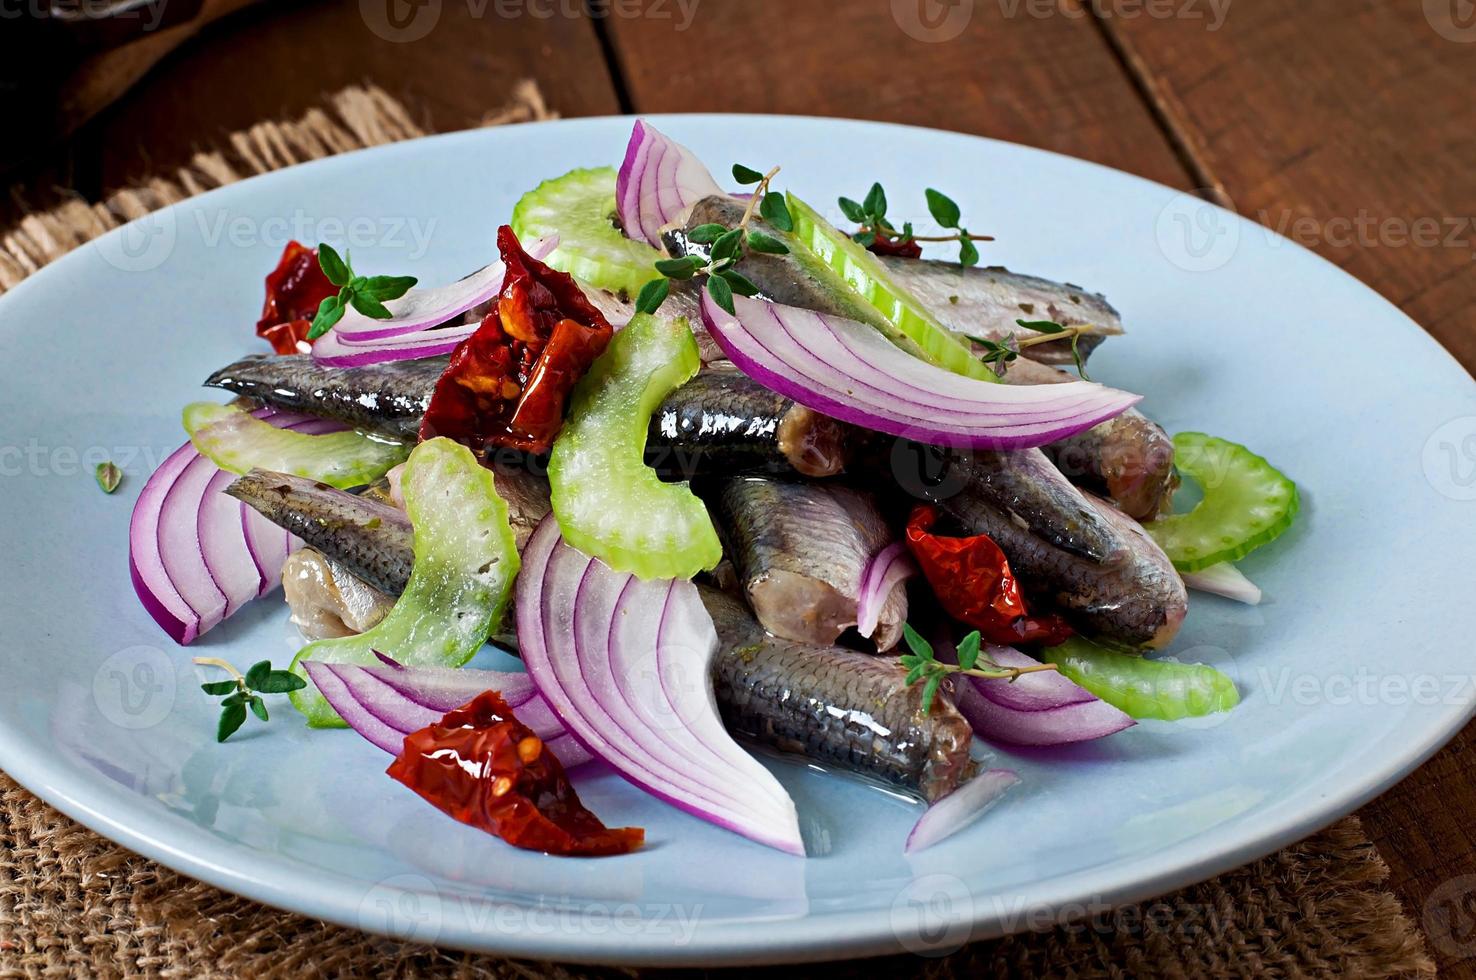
(871, 215)
(729, 247)
(999, 354)
(922, 665)
(108, 476)
(366, 294)
(245, 691)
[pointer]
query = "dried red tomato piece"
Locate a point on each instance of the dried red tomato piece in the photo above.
(972, 579)
(482, 766)
(903, 247)
(508, 383)
(293, 291)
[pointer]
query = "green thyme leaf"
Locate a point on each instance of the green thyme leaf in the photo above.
(739, 282)
(330, 311)
(930, 691)
(258, 708)
(865, 238)
(746, 175)
(1041, 326)
(942, 208)
(258, 673)
(388, 287)
(218, 688)
(767, 244)
(776, 212)
(683, 268)
(706, 234)
(876, 201)
(281, 682)
(968, 650)
(721, 293)
(915, 674)
(652, 295)
(968, 252)
(370, 307)
(916, 643)
(334, 267)
(853, 211)
(108, 476)
(727, 246)
(232, 716)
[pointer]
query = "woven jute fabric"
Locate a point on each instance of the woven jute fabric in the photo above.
(75, 905)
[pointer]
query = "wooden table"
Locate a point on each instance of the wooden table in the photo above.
(1346, 122)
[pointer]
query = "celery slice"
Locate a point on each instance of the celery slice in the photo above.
(830, 255)
(579, 208)
(1247, 503)
(465, 562)
(1144, 688)
(608, 502)
(237, 441)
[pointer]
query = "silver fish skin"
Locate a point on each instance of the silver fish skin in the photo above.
(838, 708)
(372, 540)
(981, 302)
(1129, 459)
(988, 301)
(800, 550)
(386, 398)
(720, 421)
(684, 300)
(1134, 596)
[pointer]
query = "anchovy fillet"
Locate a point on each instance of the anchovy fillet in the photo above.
(800, 550)
(838, 708)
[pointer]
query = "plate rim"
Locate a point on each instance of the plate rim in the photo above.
(813, 936)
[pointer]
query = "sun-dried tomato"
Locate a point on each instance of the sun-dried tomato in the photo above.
(508, 383)
(482, 766)
(973, 582)
(293, 291)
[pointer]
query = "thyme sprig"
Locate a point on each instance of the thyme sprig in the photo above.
(367, 294)
(923, 666)
(729, 247)
(1000, 354)
(871, 214)
(244, 691)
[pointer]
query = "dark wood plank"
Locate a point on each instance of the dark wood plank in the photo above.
(1353, 117)
(1046, 81)
(277, 60)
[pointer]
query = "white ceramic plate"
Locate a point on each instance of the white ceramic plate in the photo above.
(1355, 669)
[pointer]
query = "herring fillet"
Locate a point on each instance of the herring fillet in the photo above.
(838, 708)
(800, 551)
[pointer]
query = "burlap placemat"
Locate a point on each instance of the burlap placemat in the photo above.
(74, 905)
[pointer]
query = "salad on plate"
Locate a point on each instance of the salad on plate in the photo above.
(728, 478)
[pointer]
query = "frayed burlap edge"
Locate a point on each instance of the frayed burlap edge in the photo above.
(354, 118)
(73, 904)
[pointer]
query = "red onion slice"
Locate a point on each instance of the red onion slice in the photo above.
(658, 184)
(959, 809)
(196, 555)
(624, 663)
(1225, 580)
(1042, 708)
(887, 568)
(384, 704)
(849, 371)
